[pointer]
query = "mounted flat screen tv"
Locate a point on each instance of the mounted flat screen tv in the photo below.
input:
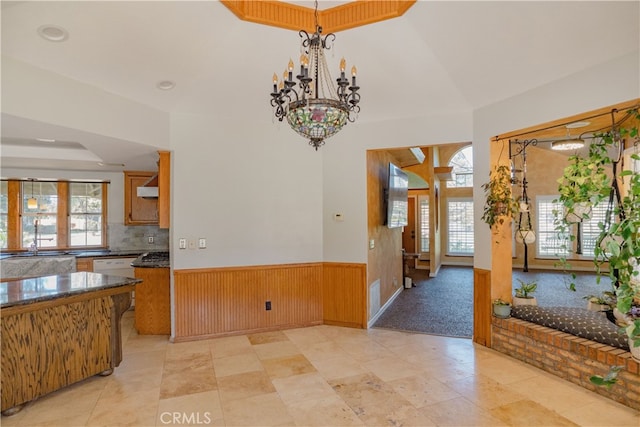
(397, 196)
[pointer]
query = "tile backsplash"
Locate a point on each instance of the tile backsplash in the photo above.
(122, 237)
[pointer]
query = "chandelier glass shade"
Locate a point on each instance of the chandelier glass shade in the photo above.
(315, 106)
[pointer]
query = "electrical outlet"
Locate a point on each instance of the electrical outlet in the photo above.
(202, 243)
(150, 240)
(267, 305)
(182, 243)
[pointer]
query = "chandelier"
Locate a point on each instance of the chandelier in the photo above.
(316, 109)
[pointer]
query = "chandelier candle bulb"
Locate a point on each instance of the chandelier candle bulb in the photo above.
(353, 75)
(275, 83)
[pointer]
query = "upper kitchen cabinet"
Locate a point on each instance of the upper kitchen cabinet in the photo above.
(139, 210)
(164, 188)
(147, 194)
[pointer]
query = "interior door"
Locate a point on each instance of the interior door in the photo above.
(409, 232)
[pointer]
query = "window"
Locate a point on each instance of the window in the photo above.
(590, 231)
(39, 223)
(550, 243)
(460, 226)
(462, 163)
(52, 214)
(4, 213)
(85, 208)
(423, 202)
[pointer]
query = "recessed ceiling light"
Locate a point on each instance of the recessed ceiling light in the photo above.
(576, 125)
(53, 33)
(45, 140)
(165, 85)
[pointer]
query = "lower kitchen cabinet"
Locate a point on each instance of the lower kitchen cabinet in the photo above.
(153, 302)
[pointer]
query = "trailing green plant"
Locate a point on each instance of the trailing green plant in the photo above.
(499, 202)
(609, 379)
(618, 246)
(526, 289)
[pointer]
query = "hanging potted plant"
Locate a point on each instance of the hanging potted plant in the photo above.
(499, 202)
(584, 182)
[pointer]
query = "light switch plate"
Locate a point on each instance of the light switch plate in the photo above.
(202, 243)
(182, 243)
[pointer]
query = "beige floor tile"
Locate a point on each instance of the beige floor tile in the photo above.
(239, 364)
(73, 402)
(603, 413)
(485, 392)
(241, 386)
(267, 337)
(502, 368)
(460, 412)
(391, 368)
(339, 367)
(261, 410)
(146, 343)
(230, 346)
(137, 409)
(288, 366)
(323, 350)
(423, 390)
(367, 351)
(142, 361)
(393, 412)
(305, 336)
(274, 350)
(363, 389)
(188, 373)
(528, 413)
(193, 409)
(554, 393)
(328, 411)
(299, 388)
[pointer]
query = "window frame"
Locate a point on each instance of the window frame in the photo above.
(14, 221)
(468, 200)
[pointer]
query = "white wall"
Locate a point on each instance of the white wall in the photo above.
(253, 190)
(32, 93)
(345, 173)
(608, 84)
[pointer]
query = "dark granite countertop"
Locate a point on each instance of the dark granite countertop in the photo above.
(78, 254)
(152, 260)
(37, 289)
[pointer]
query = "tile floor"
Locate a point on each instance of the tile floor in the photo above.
(320, 376)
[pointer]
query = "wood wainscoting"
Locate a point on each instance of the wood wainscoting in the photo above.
(233, 300)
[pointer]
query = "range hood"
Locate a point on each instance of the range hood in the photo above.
(149, 190)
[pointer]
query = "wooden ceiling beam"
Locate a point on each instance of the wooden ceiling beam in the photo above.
(293, 17)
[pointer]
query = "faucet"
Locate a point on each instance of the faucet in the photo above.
(33, 247)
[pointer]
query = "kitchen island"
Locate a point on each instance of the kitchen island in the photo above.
(58, 330)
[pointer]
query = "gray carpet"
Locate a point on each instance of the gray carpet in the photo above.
(443, 305)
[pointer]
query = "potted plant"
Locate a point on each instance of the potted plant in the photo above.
(599, 303)
(523, 293)
(584, 182)
(501, 308)
(499, 201)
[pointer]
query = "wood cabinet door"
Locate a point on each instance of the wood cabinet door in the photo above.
(138, 210)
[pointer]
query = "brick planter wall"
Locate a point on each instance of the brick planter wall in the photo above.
(569, 357)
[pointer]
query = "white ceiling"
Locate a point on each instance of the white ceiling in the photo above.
(440, 56)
